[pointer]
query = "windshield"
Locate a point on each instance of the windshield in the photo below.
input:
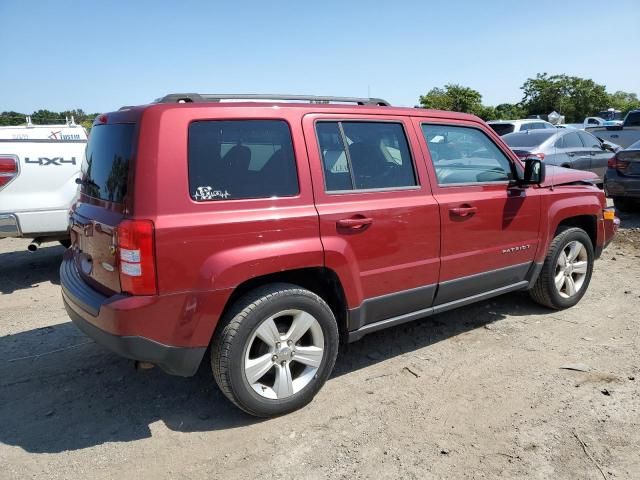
(105, 172)
(531, 139)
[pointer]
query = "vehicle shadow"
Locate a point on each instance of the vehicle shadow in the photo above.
(23, 269)
(71, 394)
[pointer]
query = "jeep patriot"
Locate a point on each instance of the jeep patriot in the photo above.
(267, 232)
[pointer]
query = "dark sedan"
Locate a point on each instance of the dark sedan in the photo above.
(563, 147)
(622, 180)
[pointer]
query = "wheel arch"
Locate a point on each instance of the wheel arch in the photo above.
(322, 281)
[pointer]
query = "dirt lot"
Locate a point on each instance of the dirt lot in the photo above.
(474, 393)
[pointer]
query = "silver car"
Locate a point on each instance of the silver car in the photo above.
(563, 147)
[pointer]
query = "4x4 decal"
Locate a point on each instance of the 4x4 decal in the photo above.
(44, 161)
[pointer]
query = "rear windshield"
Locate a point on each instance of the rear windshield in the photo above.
(530, 139)
(234, 159)
(106, 171)
(502, 128)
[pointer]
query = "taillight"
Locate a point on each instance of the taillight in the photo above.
(8, 170)
(136, 257)
(618, 164)
(539, 155)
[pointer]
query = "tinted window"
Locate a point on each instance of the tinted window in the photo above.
(532, 139)
(364, 155)
(589, 140)
(633, 119)
(502, 128)
(465, 155)
(235, 159)
(571, 140)
(105, 173)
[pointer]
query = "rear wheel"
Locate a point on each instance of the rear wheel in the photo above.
(567, 270)
(275, 349)
(66, 243)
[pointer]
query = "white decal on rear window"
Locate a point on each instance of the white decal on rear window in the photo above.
(208, 193)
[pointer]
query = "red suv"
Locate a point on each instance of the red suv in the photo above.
(270, 231)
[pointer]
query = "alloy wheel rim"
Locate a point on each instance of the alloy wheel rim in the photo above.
(571, 269)
(283, 354)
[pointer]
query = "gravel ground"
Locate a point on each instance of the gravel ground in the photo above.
(479, 392)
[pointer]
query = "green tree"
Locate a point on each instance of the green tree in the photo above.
(509, 111)
(623, 101)
(453, 97)
(573, 97)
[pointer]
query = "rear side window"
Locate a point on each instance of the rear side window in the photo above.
(502, 128)
(365, 155)
(105, 173)
(465, 155)
(235, 159)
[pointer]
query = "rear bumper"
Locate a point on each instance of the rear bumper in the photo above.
(9, 226)
(617, 185)
(33, 224)
(109, 321)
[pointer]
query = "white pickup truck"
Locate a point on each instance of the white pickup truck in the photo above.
(39, 165)
(623, 135)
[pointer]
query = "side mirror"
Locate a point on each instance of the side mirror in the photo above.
(534, 171)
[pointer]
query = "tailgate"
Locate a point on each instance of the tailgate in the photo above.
(103, 198)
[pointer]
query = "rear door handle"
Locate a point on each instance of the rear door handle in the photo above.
(592, 153)
(571, 154)
(354, 223)
(463, 211)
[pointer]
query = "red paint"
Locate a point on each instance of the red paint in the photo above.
(376, 242)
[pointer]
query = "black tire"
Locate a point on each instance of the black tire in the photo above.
(236, 330)
(622, 204)
(544, 290)
(66, 243)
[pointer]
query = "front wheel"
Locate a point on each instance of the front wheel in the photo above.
(275, 349)
(567, 270)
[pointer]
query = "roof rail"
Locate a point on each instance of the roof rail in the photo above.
(199, 98)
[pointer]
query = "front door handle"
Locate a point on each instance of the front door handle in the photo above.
(354, 223)
(592, 154)
(571, 154)
(463, 211)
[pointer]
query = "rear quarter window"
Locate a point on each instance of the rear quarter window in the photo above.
(240, 159)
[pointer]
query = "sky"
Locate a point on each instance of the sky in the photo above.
(99, 56)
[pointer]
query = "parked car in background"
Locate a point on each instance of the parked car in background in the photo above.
(625, 134)
(611, 114)
(39, 166)
(622, 179)
(502, 127)
(567, 148)
(264, 233)
(593, 121)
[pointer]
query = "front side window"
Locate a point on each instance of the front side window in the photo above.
(364, 155)
(465, 155)
(571, 140)
(589, 140)
(236, 159)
